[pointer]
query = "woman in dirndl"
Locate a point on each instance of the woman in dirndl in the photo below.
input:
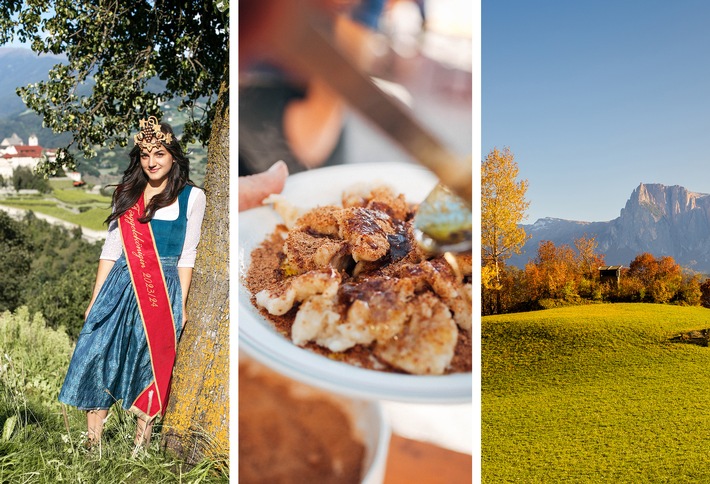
(126, 349)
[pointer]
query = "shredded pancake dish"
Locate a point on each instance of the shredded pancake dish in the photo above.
(350, 282)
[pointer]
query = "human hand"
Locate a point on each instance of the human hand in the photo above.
(253, 189)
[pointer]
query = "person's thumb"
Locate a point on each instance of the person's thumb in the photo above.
(254, 188)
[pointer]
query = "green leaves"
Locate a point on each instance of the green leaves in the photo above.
(8, 427)
(112, 50)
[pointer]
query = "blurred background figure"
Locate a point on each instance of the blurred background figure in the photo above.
(286, 116)
(419, 51)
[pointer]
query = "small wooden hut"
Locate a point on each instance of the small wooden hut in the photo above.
(610, 274)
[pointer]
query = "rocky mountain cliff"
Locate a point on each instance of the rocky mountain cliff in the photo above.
(662, 220)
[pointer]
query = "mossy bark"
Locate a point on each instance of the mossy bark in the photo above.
(196, 423)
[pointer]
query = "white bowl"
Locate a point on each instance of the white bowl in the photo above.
(260, 340)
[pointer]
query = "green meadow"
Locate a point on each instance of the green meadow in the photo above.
(66, 203)
(42, 441)
(595, 393)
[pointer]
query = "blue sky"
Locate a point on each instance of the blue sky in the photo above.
(595, 97)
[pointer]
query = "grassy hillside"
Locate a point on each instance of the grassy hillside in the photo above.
(40, 443)
(595, 393)
(70, 204)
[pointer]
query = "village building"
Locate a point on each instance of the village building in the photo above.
(12, 140)
(14, 154)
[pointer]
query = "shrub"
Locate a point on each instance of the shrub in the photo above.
(689, 293)
(24, 178)
(34, 357)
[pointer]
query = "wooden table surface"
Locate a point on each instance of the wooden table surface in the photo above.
(411, 461)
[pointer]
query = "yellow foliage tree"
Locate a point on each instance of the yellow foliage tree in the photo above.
(503, 207)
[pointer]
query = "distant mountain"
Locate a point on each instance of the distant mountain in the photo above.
(662, 220)
(19, 68)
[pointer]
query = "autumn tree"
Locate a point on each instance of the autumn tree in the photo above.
(588, 263)
(689, 293)
(658, 279)
(561, 273)
(589, 259)
(705, 293)
(513, 297)
(503, 207)
(553, 272)
(98, 94)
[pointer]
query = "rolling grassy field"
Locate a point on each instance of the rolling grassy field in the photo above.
(67, 203)
(595, 394)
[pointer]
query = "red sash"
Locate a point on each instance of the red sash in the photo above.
(154, 307)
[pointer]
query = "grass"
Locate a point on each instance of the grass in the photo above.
(61, 184)
(67, 203)
(81, 197)
(41, 442)
(90, 218)
(595, 393)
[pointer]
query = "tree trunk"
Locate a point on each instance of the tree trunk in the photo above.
(196, 423)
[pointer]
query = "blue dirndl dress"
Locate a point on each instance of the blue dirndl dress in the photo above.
(111, 360)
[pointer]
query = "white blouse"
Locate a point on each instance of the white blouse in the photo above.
(113, 247)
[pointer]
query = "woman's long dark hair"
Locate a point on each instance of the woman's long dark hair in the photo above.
(135, 180)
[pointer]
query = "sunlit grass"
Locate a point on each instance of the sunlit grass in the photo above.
(595, 393)
(61, 183)
(41, 441)
(91, 218)
(81, 197)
